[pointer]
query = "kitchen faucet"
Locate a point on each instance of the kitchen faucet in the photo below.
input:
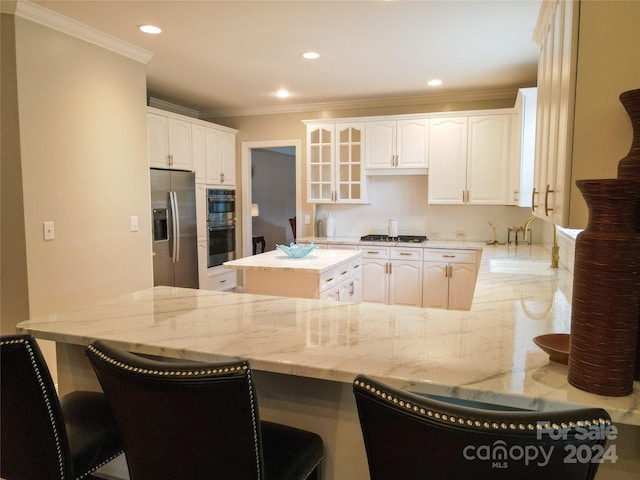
(555, 249)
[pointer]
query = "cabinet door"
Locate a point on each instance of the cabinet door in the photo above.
(180, 144)
(435, 285)
(349, 170)
(355, 289)
(158, 141)
(227, 158)
(320, 163)
(447, 160)
(375, 287)
(412, 143)
(380, 144)
(461, 285)
(405, 285)
(488, 159)
(198, 153)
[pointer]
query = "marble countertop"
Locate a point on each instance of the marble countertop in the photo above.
(318, 261)
(485, 354)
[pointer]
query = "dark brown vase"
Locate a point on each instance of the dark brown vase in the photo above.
(629, 167)
(606, 282)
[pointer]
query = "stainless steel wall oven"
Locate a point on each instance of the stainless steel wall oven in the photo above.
(221, 226)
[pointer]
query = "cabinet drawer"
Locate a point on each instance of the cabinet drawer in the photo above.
(374, 252)
(453, 256)
(223, 281)
(329, 279)
(399, 253)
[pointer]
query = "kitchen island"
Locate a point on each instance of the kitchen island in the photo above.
(305, 353)
(323, 274)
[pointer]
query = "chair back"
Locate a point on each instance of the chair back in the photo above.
(410, 436)
(33, 436)
(182, 419)
(292, 222)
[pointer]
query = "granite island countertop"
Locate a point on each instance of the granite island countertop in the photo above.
(485, 354)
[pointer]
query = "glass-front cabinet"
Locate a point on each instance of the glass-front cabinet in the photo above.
(335, 172)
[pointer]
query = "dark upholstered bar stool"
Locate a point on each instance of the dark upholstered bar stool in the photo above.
(411, 437)
(198, 421)
(43, 437)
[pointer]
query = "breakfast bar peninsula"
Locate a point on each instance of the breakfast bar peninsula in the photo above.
(305, 353)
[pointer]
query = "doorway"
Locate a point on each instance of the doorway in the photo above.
(271, 171)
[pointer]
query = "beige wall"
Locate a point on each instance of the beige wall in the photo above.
(608, 64)
(83, 158)
(14, 302)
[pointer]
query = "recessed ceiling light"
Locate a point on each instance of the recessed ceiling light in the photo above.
(282, 93)
(152, 29)
(311, 55)
(434, 83)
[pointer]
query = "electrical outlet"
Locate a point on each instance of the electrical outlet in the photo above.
(461, 234)
(307, 219)
(134, 223)
(48, 231)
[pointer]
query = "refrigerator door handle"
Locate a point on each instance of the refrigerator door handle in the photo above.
(175, 227)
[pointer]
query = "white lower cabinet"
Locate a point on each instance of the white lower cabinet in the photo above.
(449, 279)
(343, 284)
(392, 275)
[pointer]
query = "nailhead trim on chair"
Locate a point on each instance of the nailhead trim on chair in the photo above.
(474, 422)
(45, 397)
(194, 373)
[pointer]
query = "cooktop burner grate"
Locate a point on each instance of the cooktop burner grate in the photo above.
(400, 238)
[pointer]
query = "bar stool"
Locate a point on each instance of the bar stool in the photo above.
(413, 437)
(44, 437)
(198, 421)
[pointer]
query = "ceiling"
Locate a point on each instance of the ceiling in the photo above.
(230, 57)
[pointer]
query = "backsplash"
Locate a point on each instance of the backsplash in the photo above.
(405, 199)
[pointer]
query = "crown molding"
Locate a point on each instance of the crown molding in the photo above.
(172, 107)
(48, 18)
(461, 96)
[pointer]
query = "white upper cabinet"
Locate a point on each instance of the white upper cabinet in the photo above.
(556, 81)
(397, 144)
(448, 165)
(469, 159)
(488, 159)
(335, 172)
(169, 142)
(524, 141)
(220, 157)
(198, 152)
(183, 143)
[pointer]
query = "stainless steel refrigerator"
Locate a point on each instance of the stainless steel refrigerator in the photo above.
(175, 248)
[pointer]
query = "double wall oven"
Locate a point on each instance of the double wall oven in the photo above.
(221, 226)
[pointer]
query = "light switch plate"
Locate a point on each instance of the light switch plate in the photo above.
(48, 231)
(134, 223)
(307, 219)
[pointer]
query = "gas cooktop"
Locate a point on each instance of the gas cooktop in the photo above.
(400, 238)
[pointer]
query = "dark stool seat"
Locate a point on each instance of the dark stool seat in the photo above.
(44, 437)
(258, 240)
(198, 421)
